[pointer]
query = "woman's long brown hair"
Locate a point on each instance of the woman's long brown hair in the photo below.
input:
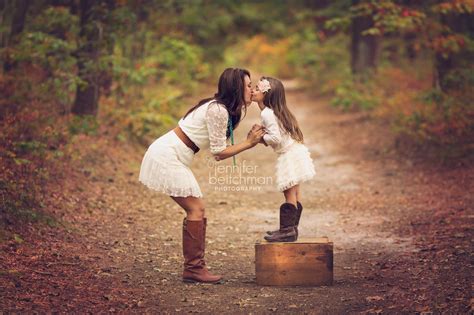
(276, 100)
(230, 93)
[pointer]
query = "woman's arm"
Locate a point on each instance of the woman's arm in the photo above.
(253, 138)
(216, 119)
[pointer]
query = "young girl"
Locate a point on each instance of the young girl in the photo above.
(294, 164)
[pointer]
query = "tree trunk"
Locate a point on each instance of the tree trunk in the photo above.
(3, 14)
(87, 97)
(364, 48)
(461, 24)
(410, 50)
(18, 23)
(106, 75)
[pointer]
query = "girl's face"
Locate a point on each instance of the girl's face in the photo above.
(257, 95)
(248, 91)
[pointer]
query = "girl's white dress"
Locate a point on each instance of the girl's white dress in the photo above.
(294, 163)
(166, 164)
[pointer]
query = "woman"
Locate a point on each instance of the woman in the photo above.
(165, 166)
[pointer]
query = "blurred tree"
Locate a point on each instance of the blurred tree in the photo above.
(20, 8)
(93, 33)
(453, 44)
(364, 46)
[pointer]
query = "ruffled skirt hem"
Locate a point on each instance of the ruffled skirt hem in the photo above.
(294, 167)
(165, 168)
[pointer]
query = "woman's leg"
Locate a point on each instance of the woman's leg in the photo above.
(194, 240)
(194, 207)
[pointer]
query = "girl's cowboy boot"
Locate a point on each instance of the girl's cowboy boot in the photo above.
(193, 251)
(300, 210)
(287, 232)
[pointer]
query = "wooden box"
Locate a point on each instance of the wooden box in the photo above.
(306, 262)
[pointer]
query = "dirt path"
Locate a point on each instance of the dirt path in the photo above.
(402, 231)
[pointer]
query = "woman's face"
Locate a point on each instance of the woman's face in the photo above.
(248, 91)
(257, 95)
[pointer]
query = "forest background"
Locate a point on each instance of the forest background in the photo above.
(74, 73)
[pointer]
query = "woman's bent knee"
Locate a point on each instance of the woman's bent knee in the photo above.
(196, 213)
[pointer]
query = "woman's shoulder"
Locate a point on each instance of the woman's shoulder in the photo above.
(216, 106)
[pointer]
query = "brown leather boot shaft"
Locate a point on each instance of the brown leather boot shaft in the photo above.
(192, 245)
(288, 214)
(287, 232)
(299, 207)
(193, 251)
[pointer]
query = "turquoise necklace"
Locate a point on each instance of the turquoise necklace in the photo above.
(231, 131)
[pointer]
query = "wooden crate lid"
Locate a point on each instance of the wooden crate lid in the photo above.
(308, 240)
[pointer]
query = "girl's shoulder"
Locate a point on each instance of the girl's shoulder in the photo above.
(267, 111)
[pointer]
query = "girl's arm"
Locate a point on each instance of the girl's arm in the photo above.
(273, 135)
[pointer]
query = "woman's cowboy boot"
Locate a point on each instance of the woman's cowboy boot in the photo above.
(300, 209)
(193, 251)
(204, 227)
(287, 232)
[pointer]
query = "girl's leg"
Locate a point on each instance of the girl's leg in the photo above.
(291, 195)
(298, 194)
(288, 213)
(299, 207)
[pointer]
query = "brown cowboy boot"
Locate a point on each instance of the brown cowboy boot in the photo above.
(193, 251)
(300, 209)
(204, 227)
(287, 232)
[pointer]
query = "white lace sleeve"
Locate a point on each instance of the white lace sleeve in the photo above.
(216, 119)
(272, 134)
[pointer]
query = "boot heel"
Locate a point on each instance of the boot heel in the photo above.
(187, 280)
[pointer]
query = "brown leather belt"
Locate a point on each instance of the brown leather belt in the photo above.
(188, 142)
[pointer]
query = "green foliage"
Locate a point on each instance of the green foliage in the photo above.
(86, 124)
(47, 47)
(458, 7)
(321, 63)
(145, 111)
(349, 95)
(146, 125)
(180, 63)
(387, 16)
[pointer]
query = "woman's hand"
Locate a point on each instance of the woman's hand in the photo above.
(253, 137)
(255, 134)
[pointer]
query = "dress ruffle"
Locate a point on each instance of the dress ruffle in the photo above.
(294, 166)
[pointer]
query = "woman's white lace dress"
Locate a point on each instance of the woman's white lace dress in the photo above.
(165, 166)
(294, 164)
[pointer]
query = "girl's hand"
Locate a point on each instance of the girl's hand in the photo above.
(255, 135)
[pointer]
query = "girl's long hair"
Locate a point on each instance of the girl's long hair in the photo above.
(276, 100)
(230, 93)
